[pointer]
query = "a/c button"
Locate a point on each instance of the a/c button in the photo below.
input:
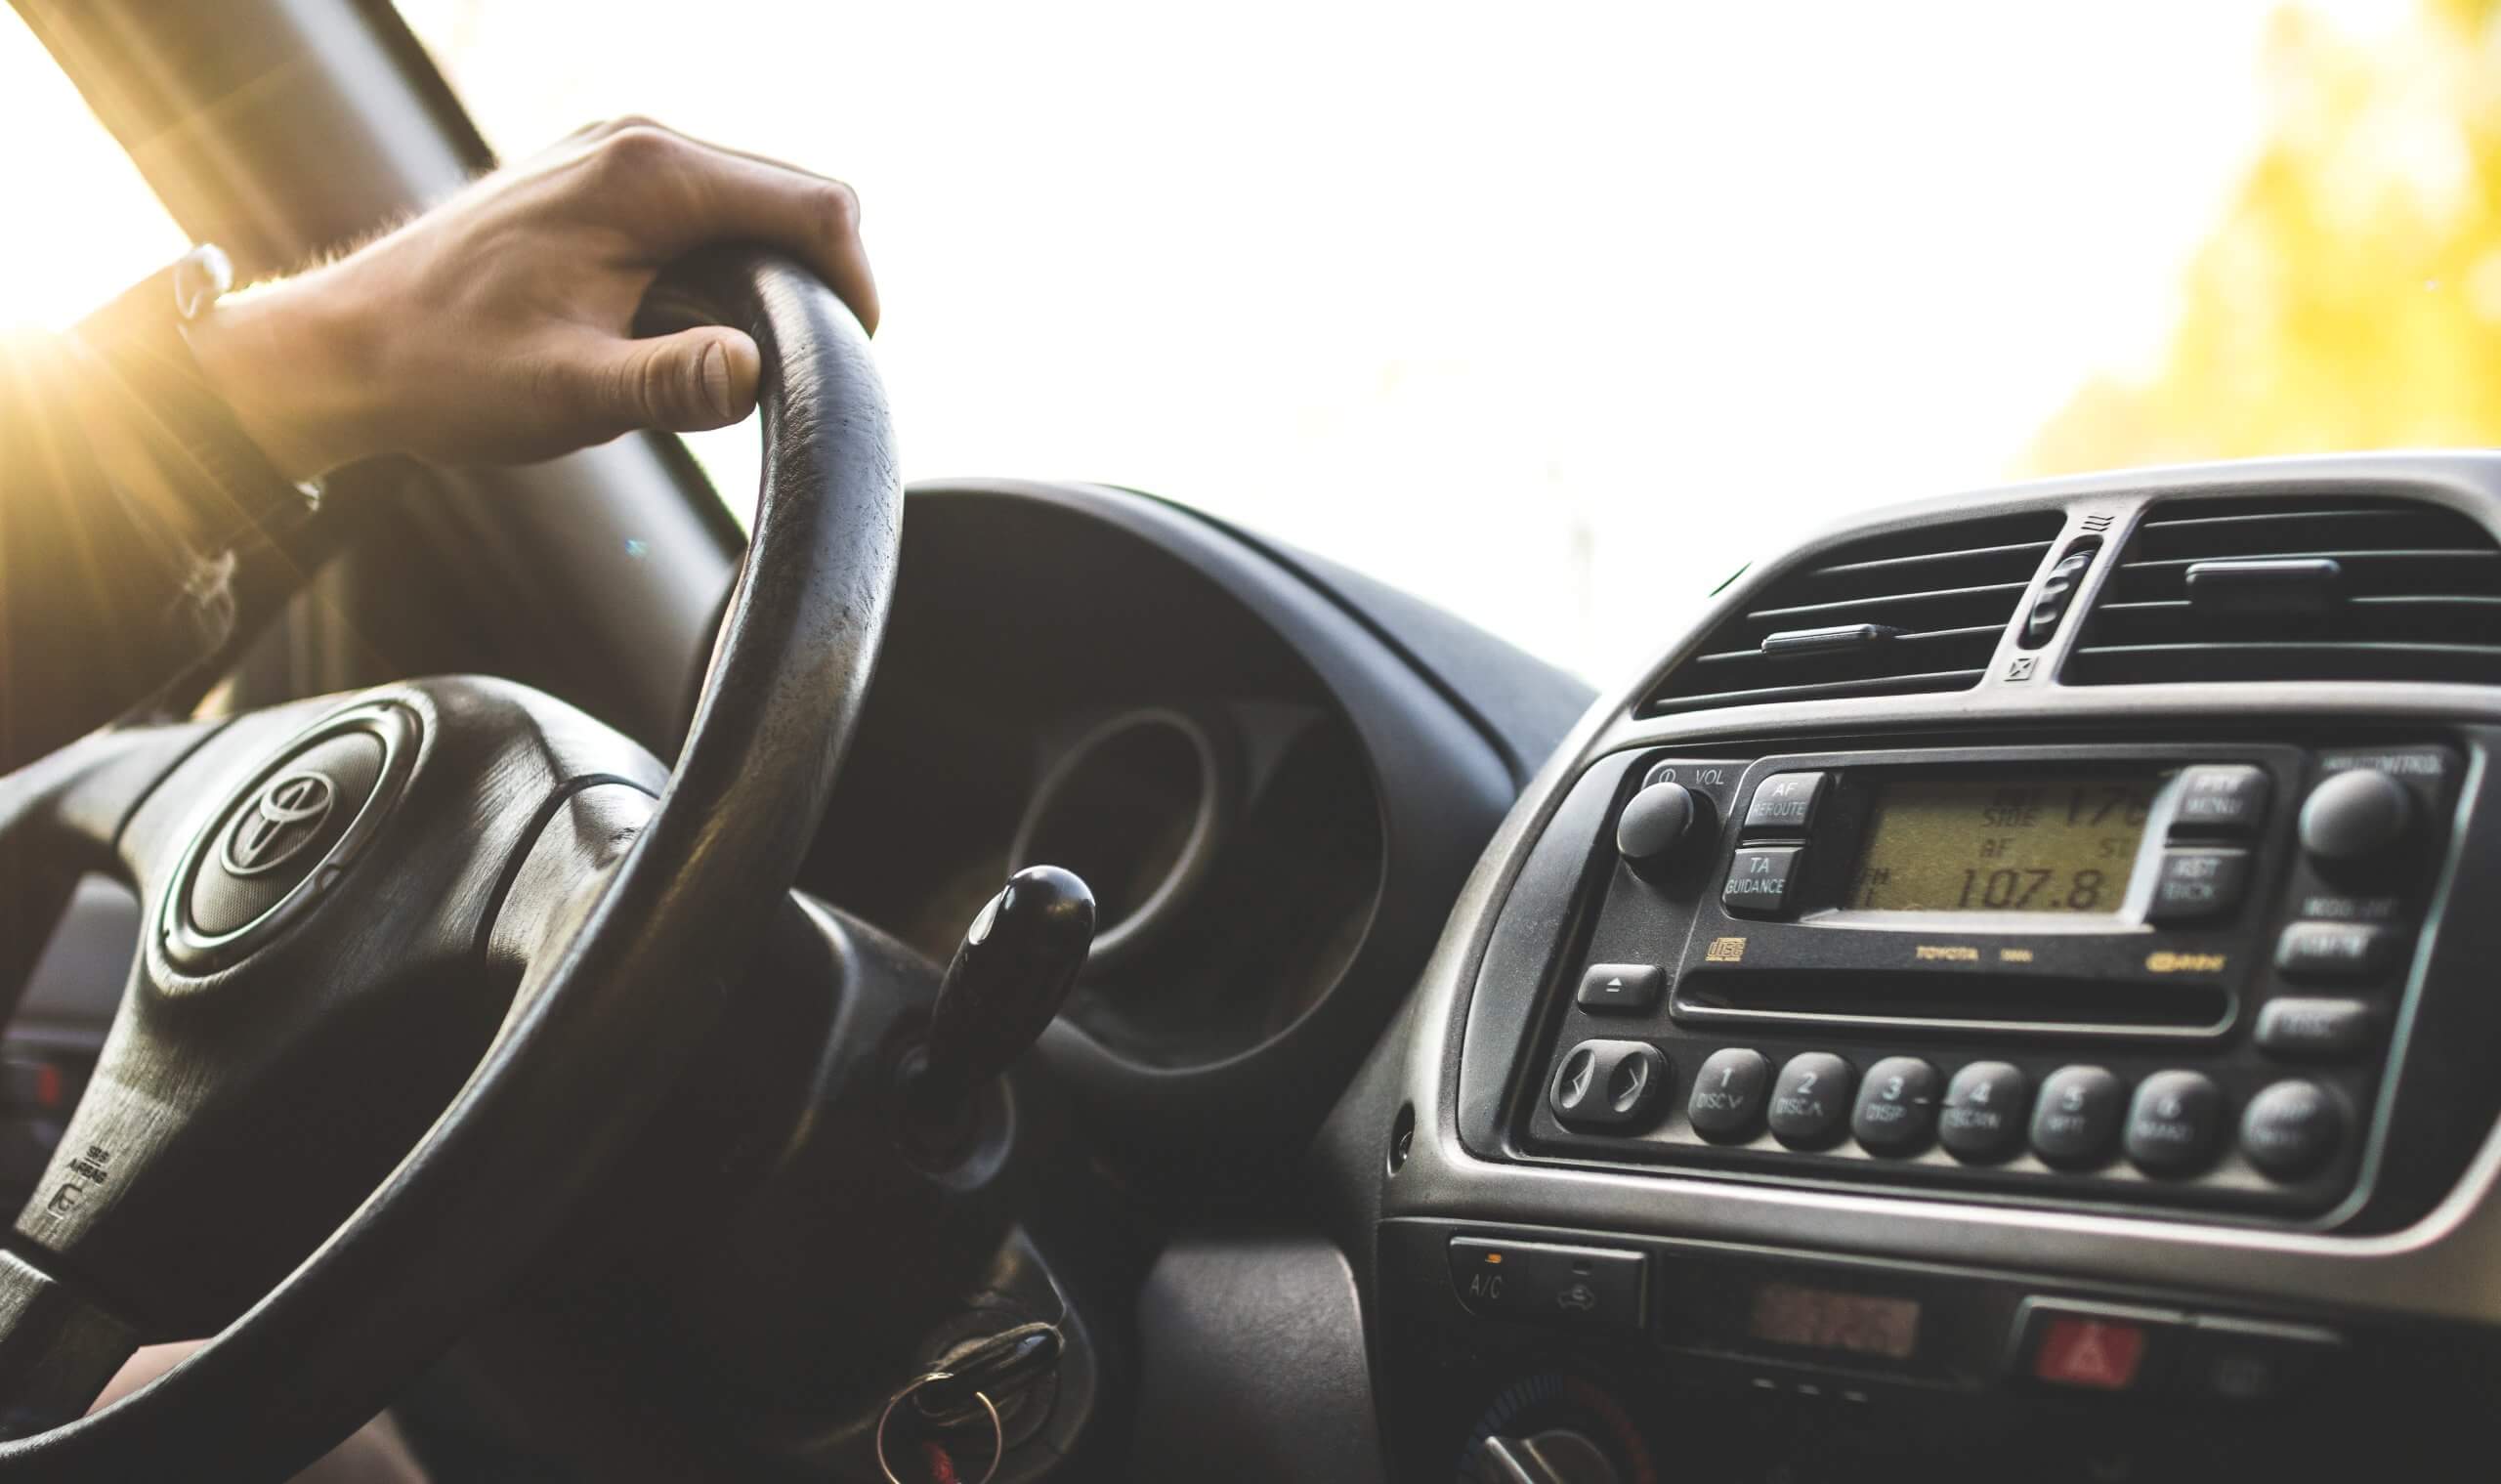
(1581, 1287)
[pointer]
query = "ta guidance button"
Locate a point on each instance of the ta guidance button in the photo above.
(1760, 879)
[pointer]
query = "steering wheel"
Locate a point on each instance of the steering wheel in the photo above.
(417, 964)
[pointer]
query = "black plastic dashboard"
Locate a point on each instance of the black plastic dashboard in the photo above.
(2250, 1162)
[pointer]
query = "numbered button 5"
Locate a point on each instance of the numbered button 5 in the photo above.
(2077, 1119)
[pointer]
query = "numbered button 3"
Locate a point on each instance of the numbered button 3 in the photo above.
(1896, 1108)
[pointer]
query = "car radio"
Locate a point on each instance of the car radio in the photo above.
(2149, 975)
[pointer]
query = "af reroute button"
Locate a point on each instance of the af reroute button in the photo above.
(276, 843)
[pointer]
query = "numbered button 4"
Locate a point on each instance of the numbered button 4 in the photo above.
(1984, 1112)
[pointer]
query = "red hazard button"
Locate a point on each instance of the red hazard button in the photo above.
(2093, 1346)
(2099, 1353)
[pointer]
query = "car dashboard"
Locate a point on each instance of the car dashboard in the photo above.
(2007, 989)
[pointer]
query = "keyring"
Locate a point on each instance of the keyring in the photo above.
(998, 1428)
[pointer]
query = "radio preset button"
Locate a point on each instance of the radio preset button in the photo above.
(2174, 1123)
(1896, 1106)
(2195, 884)
(1785, 803)
(1729, 1093)
(1984, 1109)
(1608, 1085)
(1759, 878)
(2077, 1118)
(1622, 987)
(1810, 1102)
(2292, 1128)
(2225, 799)
(2339, 949)
(2299, 1025)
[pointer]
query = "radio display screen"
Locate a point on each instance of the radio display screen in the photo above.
(2003, 844)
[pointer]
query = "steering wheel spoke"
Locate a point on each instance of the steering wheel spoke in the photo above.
(57, 1349)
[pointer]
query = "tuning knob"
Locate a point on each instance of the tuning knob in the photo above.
(2355, 817)
(1008, 978)
(1658, 824)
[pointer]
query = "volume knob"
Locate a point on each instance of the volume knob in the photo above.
(1656, 823)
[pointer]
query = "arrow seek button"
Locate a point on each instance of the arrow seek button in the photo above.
(1622, 988)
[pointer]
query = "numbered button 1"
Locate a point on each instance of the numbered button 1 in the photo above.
(1810, 1102)
(1985, 1106)
(1896, 1106)
(2077, 1119)
(1729, 1093)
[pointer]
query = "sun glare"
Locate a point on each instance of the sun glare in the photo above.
(82, 222)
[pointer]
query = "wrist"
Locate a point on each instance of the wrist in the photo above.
(287, 361)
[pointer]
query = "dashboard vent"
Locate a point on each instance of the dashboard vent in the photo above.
(1919, 609)
(2359, 587)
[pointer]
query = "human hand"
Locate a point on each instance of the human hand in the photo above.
(495, 327)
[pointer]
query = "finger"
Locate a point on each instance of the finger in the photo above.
(686, 383)
(681, 194)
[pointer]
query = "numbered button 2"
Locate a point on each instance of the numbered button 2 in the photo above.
(1810, 1102)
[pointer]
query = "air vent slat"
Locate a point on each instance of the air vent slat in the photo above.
(2415, 595)
(1923, 608)
(1994, 596)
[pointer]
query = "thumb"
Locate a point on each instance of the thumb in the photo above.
(687, 382)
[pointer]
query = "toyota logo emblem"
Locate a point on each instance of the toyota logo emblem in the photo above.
(279, 822)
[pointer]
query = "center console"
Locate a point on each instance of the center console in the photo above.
(2051, 1031)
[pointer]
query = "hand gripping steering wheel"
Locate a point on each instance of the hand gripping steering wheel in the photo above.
(417, 964)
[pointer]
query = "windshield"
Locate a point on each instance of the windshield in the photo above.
(1556, 314)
